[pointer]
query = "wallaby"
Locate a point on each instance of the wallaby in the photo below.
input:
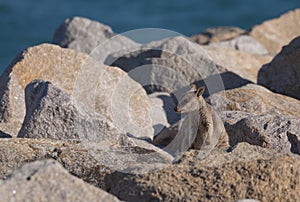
(211, 130)
(208, 125)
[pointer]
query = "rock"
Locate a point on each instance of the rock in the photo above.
(271, 131)
(52, 113)
(90, 37)
(243, 43)
(255, 99)
(45, 61)
(172, 64)
(47, 180)
(217, 34)
(244, 173)
(90, 161)
(277, 32)
(243, 64)
(281, 74)
(70, 70)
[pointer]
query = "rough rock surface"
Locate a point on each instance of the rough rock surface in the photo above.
(52, 113)
(90, 37)
(257, 100)
(243, 64)
(70, 70)
(217, 34)
(47, 180)
(243, 43)
(278, 132)
(281, 75)
(175, 63)
(247, 172)
(275, 33)
(89, 161)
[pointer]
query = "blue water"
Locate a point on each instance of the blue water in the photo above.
(25, 23)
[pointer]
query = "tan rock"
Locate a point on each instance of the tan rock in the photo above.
(244, 64)
(78, 75)
(247, 172)
(257, 100)
(277, 32)
(89, 161)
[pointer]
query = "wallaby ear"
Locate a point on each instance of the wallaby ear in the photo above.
(200, 91)
(193, 88)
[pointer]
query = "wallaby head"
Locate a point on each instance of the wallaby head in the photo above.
(190, 101)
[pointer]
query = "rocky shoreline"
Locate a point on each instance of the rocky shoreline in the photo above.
(78, 119)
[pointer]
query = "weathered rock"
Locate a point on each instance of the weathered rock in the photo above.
(243, 43)
(244, 173)
(217, 34)
(255, 99)
(52, 113)
(89, 161)
(280, 133)
(90, 37)
(47, 180)
(243, 64)
(281, 75)
(90, 82)
(174, 63)
(275, 33)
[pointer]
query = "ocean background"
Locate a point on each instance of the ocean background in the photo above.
(25, 23)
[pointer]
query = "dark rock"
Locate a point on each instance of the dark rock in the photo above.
(281, 75)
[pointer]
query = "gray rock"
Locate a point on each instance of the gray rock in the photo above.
(52, 113)
(243, 43)
(255, 99)
(47, 180)
(90, 37)
(281, 75)
(172, 64)
(81, 34)
(280, 133)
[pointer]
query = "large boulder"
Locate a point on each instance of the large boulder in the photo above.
(52, 113)
(255, 99)
(281, 75)
(174, 63)
(47, 180)
(106, 90)
(277, 32)
(244, 173)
